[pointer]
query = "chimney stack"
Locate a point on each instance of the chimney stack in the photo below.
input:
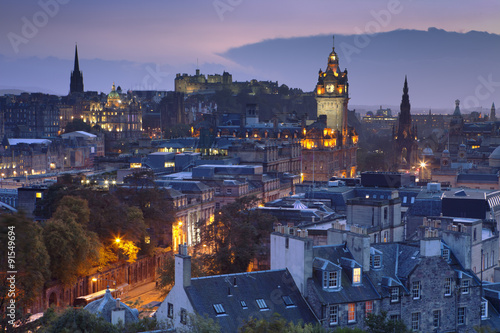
(183, 267)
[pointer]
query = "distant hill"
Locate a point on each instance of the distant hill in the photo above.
(10, 91)
(441, 66)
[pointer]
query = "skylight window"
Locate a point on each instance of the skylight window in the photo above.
(288, 301)
(219, 309)
(261, 303)
(243, 304)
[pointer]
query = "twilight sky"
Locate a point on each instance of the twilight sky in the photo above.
(170, 36)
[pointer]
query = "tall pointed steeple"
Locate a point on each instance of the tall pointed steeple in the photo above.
(493, 116)
(76, 81)
(405, 107)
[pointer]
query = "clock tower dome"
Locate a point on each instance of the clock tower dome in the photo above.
(332, 94)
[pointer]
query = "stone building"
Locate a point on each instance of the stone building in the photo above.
(350, 277)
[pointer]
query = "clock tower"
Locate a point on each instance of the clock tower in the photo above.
(332, 94)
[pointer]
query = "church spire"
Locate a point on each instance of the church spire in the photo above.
(405, 101)
(77, 65)
(76, 81)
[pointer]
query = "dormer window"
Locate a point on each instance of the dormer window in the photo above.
(445, 254)
(331, 279)
(356, 275)
(376, 261)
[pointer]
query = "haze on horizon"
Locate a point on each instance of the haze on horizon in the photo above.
(128, 42)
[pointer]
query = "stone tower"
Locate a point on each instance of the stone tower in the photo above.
(332, 94)
(76, 82)
(493, 116)
(405, 147)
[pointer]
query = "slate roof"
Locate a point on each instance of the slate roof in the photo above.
(187, 186)
(104, 306)
(271, 286)
(477, 178)
(348, 293)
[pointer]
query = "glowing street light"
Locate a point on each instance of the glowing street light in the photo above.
(117, 240)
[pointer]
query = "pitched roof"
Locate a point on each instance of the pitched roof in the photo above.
(225, 294)
(339, 255)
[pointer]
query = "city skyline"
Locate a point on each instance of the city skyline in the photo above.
(182, 36)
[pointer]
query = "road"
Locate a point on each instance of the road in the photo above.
(142, 296)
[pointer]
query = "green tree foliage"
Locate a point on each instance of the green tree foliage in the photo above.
(80, 320)
(73, 249)
(31, 262)
(381, 324)
(77, 125)
(237, 235)
(201, 324)
(277, 324)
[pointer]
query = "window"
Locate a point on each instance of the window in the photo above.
(461, 316)
(394, 317)
(436, 316)
(415, 321)
(375, 260)
(484, 310)
(386, 235)
(412, 200)
(405, 199)
(217, 190)
(394, 294)
(447, 287)
(356, 275)
(288, 301)
(465, 286)
(330, 279)
(217, 205)
(261, 304)
(229, 191)
(351, 314)
(183, 316)
(445, 254)
(368, 307)
(170, 311)
(244, 304)
(219, 309)
(334, 314)
(415, 290)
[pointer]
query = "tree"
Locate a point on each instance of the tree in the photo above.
(381, 324)
(201, 324)
(277, 324)
(77, 125)
(237, 235)
(31, 261)
(79, 320)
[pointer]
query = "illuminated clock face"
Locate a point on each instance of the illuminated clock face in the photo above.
(330, 88)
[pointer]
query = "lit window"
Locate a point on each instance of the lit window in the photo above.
(412, 200)
(334, 314)
(484, 310)
(261, 303)
(38, 195)
(447, 286)
(405, 199)
(368, 307)
(394, 294)
(415, 290)
(288, 301)
(436, 316)
(351, 315)
(356, 275)
(219, 309)
(415, 321)
(465, 286)
(461, 316)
